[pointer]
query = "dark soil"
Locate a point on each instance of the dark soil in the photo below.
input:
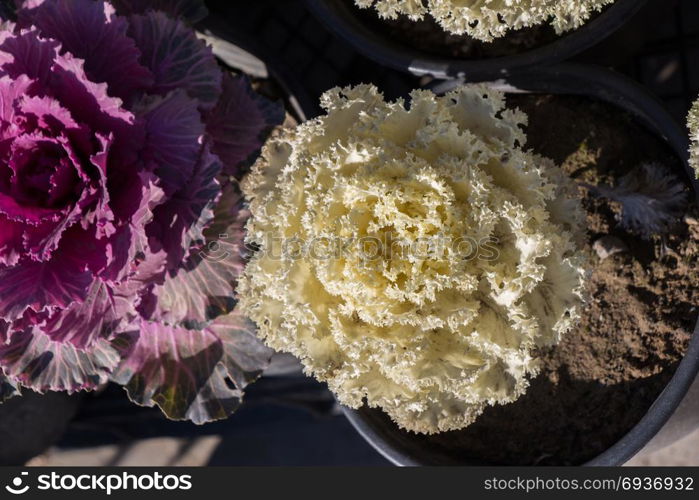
(601, 380)
(428, 36)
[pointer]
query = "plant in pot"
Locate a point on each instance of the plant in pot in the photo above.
(478, 40)
(120, 213)
(445, 279)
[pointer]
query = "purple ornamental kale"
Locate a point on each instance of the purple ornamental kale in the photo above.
(120, 219)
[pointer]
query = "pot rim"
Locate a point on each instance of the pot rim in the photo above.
(613, 88)
(338, 17)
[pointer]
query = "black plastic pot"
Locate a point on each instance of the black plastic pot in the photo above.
(675, 413)
(342, 18)
(241, 52)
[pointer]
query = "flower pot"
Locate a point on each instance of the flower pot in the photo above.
(346, 21)
(31, 423)
(672, 410)
(238, 50)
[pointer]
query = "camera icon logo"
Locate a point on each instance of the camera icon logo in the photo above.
(16, 487)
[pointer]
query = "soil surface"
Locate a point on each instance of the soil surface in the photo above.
(601, 380)
(427, 35)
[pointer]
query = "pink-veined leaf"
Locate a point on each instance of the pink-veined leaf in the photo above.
(174, 139)
(245, 355)
(56, 283)
(11, 244)
(138, 196)
(196, 375)
(178, 225)
(84, 323)
(12, 90)
(35, 361)
(177, 58)
(88, 30)
(204, 287)
(63, 78)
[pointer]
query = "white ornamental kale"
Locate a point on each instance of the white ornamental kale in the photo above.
(367, 219)
(489, 19)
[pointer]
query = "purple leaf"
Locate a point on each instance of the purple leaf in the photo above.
(11, 90)
(178, 224)
(11, 245)
(88, 29)
(19, 179)
(240, 124)
(174, 139)
(31, 215)
(191, 10)
(5, 332)
(203, 288)
(177, 58)
(197, 375)
(89, 102)
(32, 359)
(138, 197)
(37, 285)
(27, 54)
(91, 207)
(51, 117)
(85, 323)
(63, 78)
(245, 355)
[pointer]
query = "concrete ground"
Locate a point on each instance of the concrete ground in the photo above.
(185, 452)
(682, 453)
(215, 449)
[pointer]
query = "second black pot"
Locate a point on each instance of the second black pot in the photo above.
(663, 423)
(342, 18)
